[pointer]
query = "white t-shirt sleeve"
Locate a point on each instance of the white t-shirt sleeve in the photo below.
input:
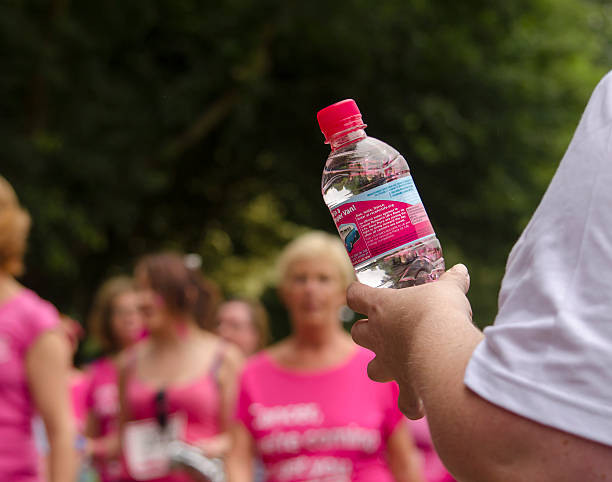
(548, 356)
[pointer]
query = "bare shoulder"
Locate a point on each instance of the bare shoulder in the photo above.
(232, 358)
(208, 342)
(50, 345)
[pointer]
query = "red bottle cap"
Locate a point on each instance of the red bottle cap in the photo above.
(339, 117)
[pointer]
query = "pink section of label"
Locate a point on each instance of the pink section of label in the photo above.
(371, 228)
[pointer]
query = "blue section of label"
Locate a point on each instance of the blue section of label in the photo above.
(402, 189)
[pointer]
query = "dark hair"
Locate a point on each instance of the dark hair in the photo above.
(207, 300)
(184, 290)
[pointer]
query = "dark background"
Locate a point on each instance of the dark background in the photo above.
(130, 126)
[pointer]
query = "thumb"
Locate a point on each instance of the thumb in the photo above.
(359, 297)
(458, 275)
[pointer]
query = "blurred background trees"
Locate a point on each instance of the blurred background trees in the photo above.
(129, 126)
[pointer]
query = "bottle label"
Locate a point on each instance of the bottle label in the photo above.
(382, 220)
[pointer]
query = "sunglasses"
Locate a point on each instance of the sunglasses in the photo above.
(161, 409)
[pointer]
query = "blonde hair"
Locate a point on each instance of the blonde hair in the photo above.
(315, 244)
(101, 316)
(14, 229)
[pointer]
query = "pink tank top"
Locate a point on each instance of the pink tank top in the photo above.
(23, 319)
(196, 404)
(327, 425)
(79, 385)
(102, 398)
(102, 402)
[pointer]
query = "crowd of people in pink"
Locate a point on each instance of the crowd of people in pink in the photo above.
(189, 388)
(180, 366)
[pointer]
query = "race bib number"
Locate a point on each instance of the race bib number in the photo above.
(146, 446)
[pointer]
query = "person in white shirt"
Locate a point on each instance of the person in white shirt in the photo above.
(530, 399)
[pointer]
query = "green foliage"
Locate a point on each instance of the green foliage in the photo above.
(132, 126)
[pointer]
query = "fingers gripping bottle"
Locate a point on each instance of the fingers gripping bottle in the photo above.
(375, 205)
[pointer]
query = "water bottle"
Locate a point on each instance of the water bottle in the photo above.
(375, 205)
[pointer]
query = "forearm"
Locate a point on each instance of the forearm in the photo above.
(216, 446)
(440, 351)
(480, 441)
(106, 447)
(403, 457)
(239, 470)
(408, 468)
(62, 456)
(47, 373)
(239, 461)
(423, 337)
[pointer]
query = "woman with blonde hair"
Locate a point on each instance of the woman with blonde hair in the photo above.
(116, 323)
(34, 363)
(306, 405)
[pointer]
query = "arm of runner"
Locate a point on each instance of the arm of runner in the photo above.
(403, 456)
(219, 445)
(240, 459)
(97, 446)
(47, 363)
(228, 380)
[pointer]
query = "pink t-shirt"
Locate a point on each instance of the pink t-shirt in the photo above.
(79, 384)
(433, 468)
(331, 425)
(22, 319)
(102, 402)
(102, 399)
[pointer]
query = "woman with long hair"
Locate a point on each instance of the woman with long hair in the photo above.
(306, 405)
(34, 363)
(179, 384)
(116, 324)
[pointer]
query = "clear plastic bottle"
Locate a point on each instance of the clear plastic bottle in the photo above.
(369, 190)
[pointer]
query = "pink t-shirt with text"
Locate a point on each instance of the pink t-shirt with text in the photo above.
(23, 318)
(331, 425)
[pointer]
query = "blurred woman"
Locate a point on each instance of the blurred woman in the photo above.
(243, 322)
(179, 383)
(34, 363)
(306, 405)
(116, 323)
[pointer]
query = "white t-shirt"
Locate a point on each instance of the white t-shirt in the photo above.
(548, 357)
